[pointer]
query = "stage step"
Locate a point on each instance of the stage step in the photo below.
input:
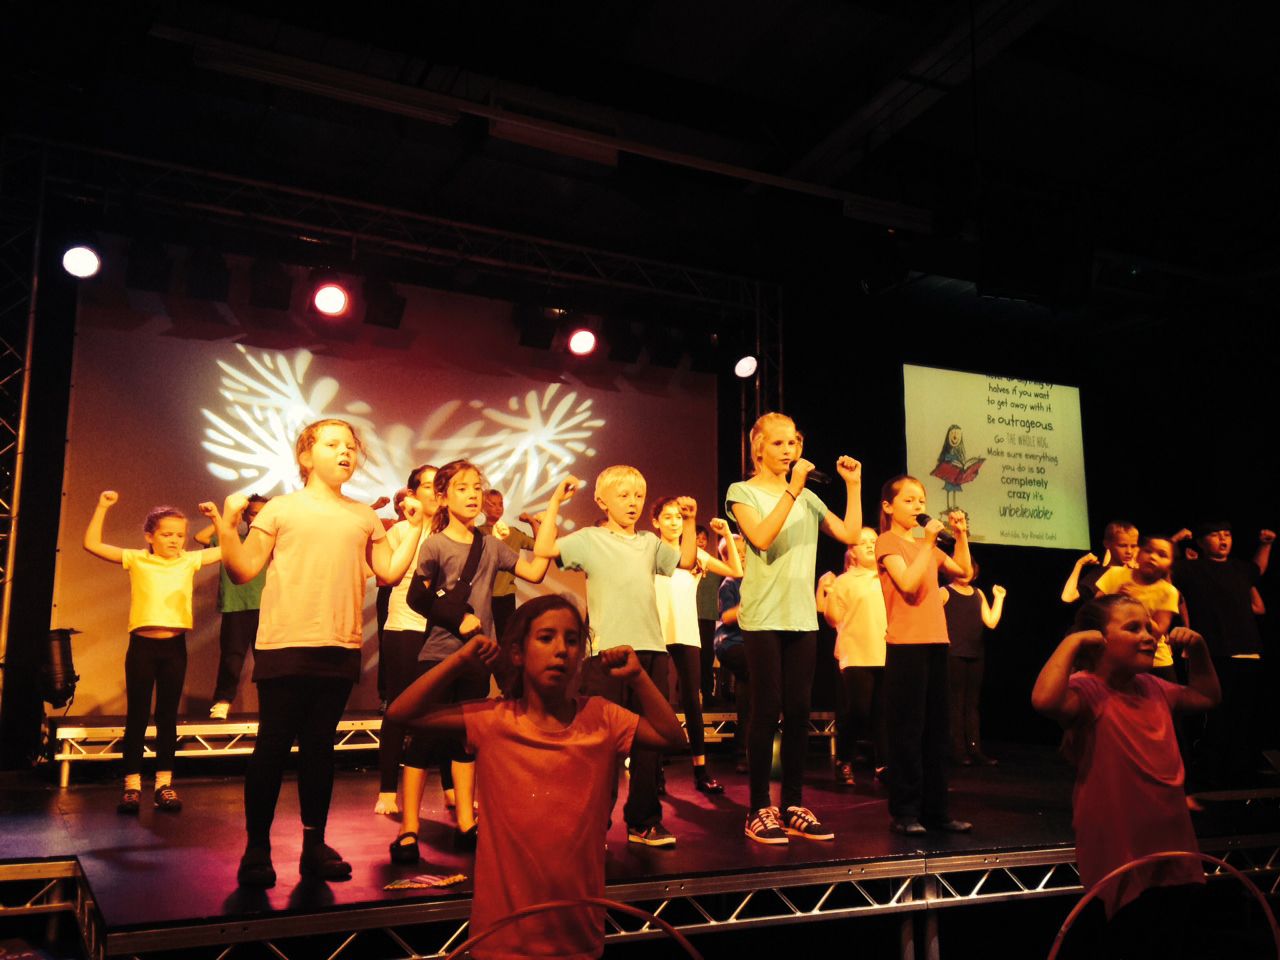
(77, 739)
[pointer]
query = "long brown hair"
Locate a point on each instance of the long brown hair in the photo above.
(890, 490)
(441, 486)
(510, 675)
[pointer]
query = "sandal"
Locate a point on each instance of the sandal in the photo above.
(402, 852)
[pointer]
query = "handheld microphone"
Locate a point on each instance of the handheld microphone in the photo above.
(817, 476)
(944, 539)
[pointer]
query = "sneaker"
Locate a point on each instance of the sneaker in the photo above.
(950, 826)
(322, 862)
(167, 799)
(386, 805)
(130, 802)
(908, 826)
(219, 710)
(800, 822)
(763, 826)
(655, 836)
(705, 783)
(844, 774)
(256, 869)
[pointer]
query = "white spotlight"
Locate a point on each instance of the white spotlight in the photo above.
(746, 367)
(582, 342)
(331, 299)
(81, 261)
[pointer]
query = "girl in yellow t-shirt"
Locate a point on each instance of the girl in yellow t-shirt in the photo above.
(160, 581)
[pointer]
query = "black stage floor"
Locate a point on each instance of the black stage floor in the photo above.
(158, 869)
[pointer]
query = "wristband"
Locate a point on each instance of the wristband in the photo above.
(793, 496)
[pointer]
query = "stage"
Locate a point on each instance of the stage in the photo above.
(163, 882)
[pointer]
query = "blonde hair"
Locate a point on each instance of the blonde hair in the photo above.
(756, 436)
(610, 477)
(307, 440)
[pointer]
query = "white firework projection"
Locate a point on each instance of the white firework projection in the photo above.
(524, 450)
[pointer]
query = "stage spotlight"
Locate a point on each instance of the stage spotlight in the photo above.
(746, 367)
(81, 261)
(582, 342)
(537, 325)
(331, 299)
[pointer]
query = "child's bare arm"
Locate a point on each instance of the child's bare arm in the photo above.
(390, 564)
(733, 566)
(1071, 589)
(909, 577)
(822, 595)
(93, 533)
(205, 536)
(959, 564)
(544, 542)
(689, 533)
(846, 529)
(1255, 602)
(1262, 556)
(658, 728)
(1052, 694)
(1202, 691)
(420, 706)
(991, 612)
(243, 560)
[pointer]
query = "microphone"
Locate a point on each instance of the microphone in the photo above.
(816, 476)
(944, 539)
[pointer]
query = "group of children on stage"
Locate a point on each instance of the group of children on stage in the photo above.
(579, 695)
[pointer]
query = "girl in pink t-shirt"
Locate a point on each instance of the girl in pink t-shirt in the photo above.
(1128, 799)
(915, 666)
(547, 763)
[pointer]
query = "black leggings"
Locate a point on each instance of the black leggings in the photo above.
(965, 682)
(159, 664)
(915, 707)
(861, 712)
(688, 664)
(780, 666)
(424, 749)
(235, 640)
(400, 666)
(306, 709)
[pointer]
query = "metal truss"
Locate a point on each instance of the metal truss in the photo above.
(195, 739)
(107, 178)
(718, 727)
(52, 888)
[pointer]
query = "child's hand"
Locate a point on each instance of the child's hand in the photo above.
(621, 662)
(959, 522)
(1088, 560)
(1106, 557)
(1267, 536)
(480, 651)
(233, 506)
(501, 530)
(411, 507)
(849, 469)
(210, 510)
(688, 507)
(1180, 638)
(1089, 639)
(826, 580)
(932, 529)
(998, 592)
(107, 499)
(1183, 534)
(528, 518)
(379, 503)
(567, 488)
(470, 624)
(800, 471)
(720, 527)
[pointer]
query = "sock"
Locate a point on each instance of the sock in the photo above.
(164, 778)
(133, 781)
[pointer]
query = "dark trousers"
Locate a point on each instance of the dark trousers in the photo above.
(503, 608)
(423, 749)
(158, 664)
(235, 640)
(1232, 735)
(915, 706)
(688, 663)
(642, 809)
(399, 662)
(780, 666)
(964, 680)
(305, 709)
(860, 716)
(734, 659)
(707, 634)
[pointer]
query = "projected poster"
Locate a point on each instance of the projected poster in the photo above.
(1007, 452)
(176, 401)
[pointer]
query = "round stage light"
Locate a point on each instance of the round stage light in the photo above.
(746, 367)
(582, 342)
(331, 299)
(81, 261)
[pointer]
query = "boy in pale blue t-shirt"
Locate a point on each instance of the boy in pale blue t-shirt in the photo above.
(620, 565)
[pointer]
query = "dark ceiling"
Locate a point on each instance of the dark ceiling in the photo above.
(1098, 146)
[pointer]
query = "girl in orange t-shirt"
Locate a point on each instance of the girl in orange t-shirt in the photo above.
(915, 668)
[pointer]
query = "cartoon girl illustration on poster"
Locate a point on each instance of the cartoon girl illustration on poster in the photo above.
(952, 468)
